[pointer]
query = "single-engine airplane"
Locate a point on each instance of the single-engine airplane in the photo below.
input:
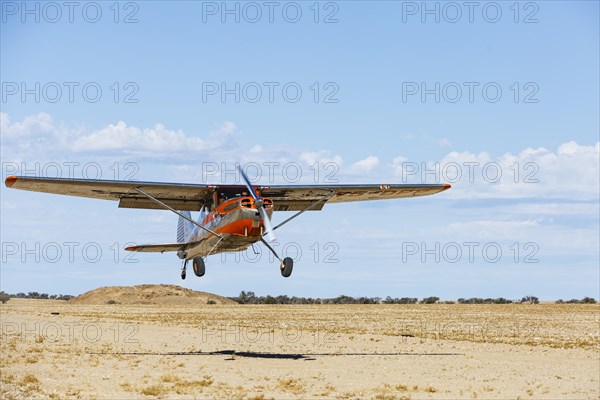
(232, 217)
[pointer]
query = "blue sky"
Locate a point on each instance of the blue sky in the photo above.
(369, 58)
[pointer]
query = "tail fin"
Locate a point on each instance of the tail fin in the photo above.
(184, 228)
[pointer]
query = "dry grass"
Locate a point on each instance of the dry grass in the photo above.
(165, 361)
(173, 384)
(169, 378)
(554, 325)
(291, 385)
(154, 390)
(29, 379)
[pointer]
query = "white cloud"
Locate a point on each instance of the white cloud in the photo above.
(445, 143)
(547, 210)
(155, 140)
(550, 237)
(398, 165)
(321, 157)
(367, 164)
(32, 125)
(7, 205)
(571, 172)
(39, 137)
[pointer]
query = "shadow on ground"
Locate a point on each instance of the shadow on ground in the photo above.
(292, 356)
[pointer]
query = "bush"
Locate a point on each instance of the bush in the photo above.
(430, 300)
(530, 300)
(588, 300)
(4, 297)
(585, 300)
(268, 300)
(211, 302)
(111, 301)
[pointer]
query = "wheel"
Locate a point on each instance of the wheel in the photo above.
(199, 267)
(286, 267)
(183, 274)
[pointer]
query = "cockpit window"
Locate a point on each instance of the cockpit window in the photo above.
(226, 194)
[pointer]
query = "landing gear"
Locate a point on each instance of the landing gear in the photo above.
(199, 267)
(286, 267)
(183, 269)
(286, 264)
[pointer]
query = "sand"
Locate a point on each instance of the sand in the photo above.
(58, 349)
(148, 295)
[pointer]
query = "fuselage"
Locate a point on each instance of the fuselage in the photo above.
(237, 220)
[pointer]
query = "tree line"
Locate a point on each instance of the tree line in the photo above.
(585, 300)
(4, 297)
(251, 298)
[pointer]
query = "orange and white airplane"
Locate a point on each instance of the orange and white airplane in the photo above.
(232, 217)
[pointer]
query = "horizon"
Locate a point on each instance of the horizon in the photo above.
(516, 300)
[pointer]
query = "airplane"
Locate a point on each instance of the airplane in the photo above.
(232, 217)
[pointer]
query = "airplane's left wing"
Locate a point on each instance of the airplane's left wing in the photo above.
(181, 196)
(298, 197)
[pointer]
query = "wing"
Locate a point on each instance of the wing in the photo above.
(191, 197)
(296, 198)
(161, 248)
(180, 196)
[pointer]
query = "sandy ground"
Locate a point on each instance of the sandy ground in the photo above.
(164, 295)
(324, 351)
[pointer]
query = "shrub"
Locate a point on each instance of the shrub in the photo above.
(585, 300)
(530, 300)
(430, 300)
(588, 300)
(4, 297)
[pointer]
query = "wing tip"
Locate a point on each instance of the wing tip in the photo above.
(447, 186)
(10, 181)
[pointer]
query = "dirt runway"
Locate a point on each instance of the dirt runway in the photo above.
(56, 349)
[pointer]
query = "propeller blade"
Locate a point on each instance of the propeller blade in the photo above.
(248, 184)
(267, 223)
(258, 201)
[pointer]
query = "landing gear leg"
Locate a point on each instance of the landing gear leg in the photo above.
(183, 269)
(287, 264)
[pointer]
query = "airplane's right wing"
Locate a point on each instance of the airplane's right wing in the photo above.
(181, 196)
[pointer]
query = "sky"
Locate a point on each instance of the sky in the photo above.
(499, 99)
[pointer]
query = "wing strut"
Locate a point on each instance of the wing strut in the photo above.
(270, 248)
(177, 212)
(215, 246)
(313, 204)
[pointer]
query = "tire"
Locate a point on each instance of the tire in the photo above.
(183, 274)
(286, 267)
(199, 267)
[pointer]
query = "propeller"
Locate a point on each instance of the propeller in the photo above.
(259, 204)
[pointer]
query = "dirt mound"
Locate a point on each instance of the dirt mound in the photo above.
(149, 294)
